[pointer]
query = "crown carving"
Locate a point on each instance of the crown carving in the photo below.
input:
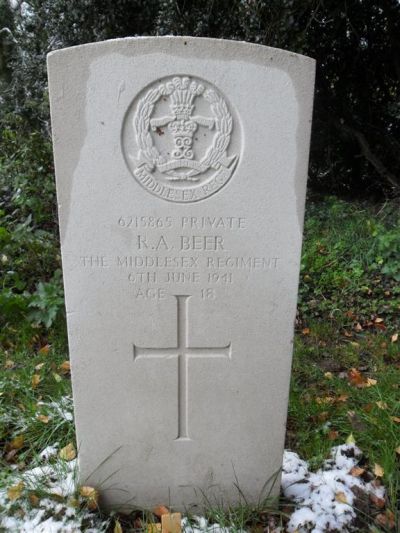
(183, 96)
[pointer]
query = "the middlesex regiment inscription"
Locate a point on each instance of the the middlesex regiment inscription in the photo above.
(177, 141)
(183, 352)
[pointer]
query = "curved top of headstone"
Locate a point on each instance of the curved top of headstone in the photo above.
(199, 45)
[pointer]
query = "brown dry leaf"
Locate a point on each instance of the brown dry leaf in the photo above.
(378, 502)
(35, 380)
(322, 417)
(333, 434)
(117, 527)
(341, 497)
(347, 333)
(17, 442)
(381, 404)
(34, 500)
(395, 419)
(394, 337)
(14, 492)
(44, 350)
(342, 398)
(160, 510)
(65, 367)
(358, 327)
(43, 418)
(91, 495)
(378, 320)
(397, 450)
(355, 377)
(378, 470)
(386, 520)
(306, 331)
(171, 523)
(9, 364)
(10, 456)
(357, 471)
(67, 453)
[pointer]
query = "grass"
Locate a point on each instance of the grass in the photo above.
(346, 368)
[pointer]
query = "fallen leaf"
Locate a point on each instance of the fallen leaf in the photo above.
(43, 418)
(342, 398)
(44, 350)
(370, 382)
(378, 470)
(306, 331)
(350, 439)
(378, 320)
(381, 404)
(39, 366)
(347, 333)
(341, 497)
(355, 377)
(357, 471)
(17, 442)
(11, 455)
(57, 377)
(9, 364)
(34, 500)
(117, 527)
(65, 367)
(395, 419)
(333, 434)
(160, 510)
(67, 453)
(14, 492)
(325, 400)
(397, 450)
(394, 337)
(358, 327)
(378, 502)
(91, 495)
(171, 523)
(386, 520)
(328, 375)
(35, 380)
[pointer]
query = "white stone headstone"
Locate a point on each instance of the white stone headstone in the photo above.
(181, 175)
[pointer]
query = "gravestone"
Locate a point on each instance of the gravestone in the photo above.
(181, 169)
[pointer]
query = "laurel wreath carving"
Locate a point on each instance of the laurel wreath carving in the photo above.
(149, 154)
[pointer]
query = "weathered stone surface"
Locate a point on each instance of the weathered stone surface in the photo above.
(181, 173)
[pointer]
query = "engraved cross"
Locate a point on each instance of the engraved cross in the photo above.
(182, 352)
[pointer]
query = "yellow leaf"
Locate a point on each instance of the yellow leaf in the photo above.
(370, 382)
(91, 495)
(39, 366)
(43, 418)
(350, 439)
(153, 527)
(35, 380)
(9, 364)
(395, 419)
(378, 470)
(57, 377)
(14, 492)
(117, 527)
(17, 442)
(67, 453)
(378, 320)
(395, 337)
(381, 404)
(397, 450)
(341, 497)
(65, 367)
(328, 375)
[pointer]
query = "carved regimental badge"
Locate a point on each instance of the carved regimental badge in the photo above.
(179, 139)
